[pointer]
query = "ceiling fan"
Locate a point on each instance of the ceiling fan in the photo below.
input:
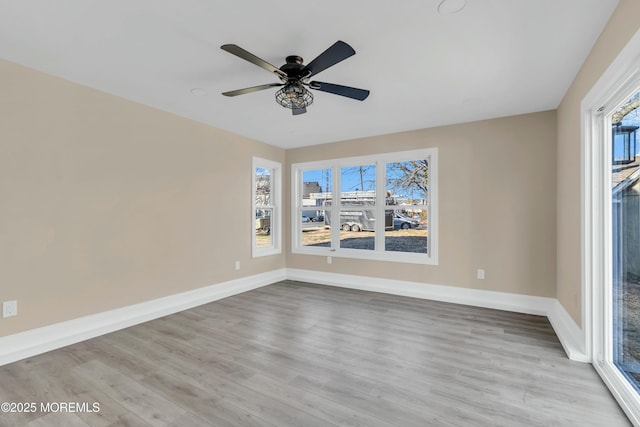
(294, 76)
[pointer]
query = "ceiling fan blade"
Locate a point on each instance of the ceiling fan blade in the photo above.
(297, 111)
(251, 89)
(337, 52)
(349, 92)
(248, 56)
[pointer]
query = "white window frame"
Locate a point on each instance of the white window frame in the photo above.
(615, 86)
(275, 206)
(380, 161)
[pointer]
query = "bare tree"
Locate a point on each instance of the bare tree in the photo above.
(627, 108)
(263, 187)
(409, 177)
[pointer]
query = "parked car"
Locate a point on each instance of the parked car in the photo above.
(318, 218)
(401, 221)
(305, 218)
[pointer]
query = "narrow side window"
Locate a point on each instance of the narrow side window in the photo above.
(266, 190)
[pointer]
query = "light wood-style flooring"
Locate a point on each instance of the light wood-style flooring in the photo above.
(295, 354)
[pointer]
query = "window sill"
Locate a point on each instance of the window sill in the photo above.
(257, 253)
(404, 257)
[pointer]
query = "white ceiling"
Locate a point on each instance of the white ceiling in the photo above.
(494, 58)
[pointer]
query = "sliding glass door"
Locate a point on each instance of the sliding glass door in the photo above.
(625, 240)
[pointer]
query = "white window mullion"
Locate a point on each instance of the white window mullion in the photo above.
(336, 208)
(606, 206)
(381, 197)
(432, 206)
(296, 192)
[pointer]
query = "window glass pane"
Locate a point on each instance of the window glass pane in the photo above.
(316, 190)
(357, 229)
(315, 217)
(263, 227)
(315, 230)
(408, 192)
(358, 181)
(408, 182)
(409, 231)
(263, 186)
(357, 207)
(626, 240)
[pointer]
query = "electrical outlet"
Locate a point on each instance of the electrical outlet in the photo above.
(9, 308)
(237, 265)
(480, 274)
(329, 260)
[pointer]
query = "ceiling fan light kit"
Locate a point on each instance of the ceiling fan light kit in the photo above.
(294, 96)
(294, 76)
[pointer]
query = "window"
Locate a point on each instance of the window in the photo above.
(266, 189)
(314, 209)
(380, 207)
(407, 205)
(625, 240)
(611, 228)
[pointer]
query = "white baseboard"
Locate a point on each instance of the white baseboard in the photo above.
(568, 332)
(36, 341)
(571, 336)
(40, 340)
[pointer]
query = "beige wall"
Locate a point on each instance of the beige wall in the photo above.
(497, 204)
(106, 203)
(622, 26)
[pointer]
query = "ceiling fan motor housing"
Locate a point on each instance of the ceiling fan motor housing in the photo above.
(294, 67)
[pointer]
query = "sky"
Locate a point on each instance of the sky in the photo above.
(349, 177)
(356, 178)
